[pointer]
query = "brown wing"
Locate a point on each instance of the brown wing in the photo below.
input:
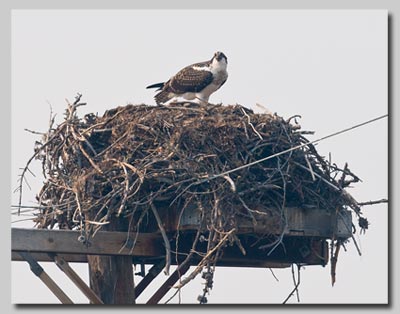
(190, 80)
(163, 96)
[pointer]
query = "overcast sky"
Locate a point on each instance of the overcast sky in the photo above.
(330, 67)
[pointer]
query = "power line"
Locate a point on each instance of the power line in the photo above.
(292, 148)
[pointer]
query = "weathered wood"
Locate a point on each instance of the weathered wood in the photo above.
(112, 251)
(64, 266)
(111, 277)
(167, 285)
(232, 256)
(238, 261)
(44, 257)
(55, 288)
(103, 243)
(299, 222)
(153, 273)
(45, 278)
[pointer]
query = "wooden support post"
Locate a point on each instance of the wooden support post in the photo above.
(64, 266)
(167, 285)
(153, 273)
(38, 271)
(111, 277)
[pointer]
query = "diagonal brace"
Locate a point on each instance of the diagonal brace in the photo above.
(167, 285)
(38, 271)
(71, 274)
(151, 275)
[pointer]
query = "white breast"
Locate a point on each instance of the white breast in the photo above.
(218, 69)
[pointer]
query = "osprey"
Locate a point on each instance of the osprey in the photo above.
(194, 83)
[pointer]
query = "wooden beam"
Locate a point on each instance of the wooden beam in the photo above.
(103, 243)
(44, 257)
(311, 222)
(111, 242)
(240, 261)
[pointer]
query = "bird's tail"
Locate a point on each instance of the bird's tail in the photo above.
(157, 85)
(162, 97)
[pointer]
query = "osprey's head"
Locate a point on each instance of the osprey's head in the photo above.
(219, 62)
(220, 57)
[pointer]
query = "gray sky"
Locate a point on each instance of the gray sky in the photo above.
(328, 66)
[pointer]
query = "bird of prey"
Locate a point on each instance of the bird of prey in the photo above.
(194, 83)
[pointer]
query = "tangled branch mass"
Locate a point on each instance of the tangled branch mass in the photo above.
(138, 163)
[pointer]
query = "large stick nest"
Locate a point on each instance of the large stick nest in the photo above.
(133, 156)
(137, 160)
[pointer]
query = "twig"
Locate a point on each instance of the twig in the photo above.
(320, 177)
(294, 281)
(296, 285)
(273, 274)
(166, 241)
(126, 190)
(90, 159)
(34, 132)
(373, 202)
(351, 233)
(251, 124)
(233, 186)
(205, 258)
(309, 167)
(334, 259)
